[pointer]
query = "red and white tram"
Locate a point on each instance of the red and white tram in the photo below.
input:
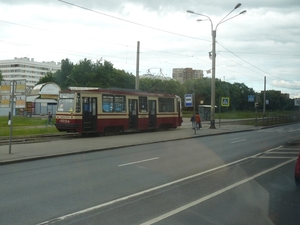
(96, 110)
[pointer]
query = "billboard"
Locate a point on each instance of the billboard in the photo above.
(5, 101)
(5, 87)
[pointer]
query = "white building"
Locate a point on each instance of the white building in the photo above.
(184, 74)
(151, 76)
(42, 99)
(25, 68)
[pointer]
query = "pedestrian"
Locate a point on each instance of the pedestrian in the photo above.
(49, 121)
(9, 119)
(193, 121)
(198, 121)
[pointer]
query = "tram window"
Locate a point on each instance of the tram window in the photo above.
(66, 102)
(65, 105)
(107, 103)
(166, 105)
(143, 107)
(86, 105)
(120, 103)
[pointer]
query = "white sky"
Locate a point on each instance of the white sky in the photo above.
(262, 42)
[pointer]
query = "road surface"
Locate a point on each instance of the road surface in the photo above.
(240, 178)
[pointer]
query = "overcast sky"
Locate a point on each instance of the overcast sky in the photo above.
(262, 42)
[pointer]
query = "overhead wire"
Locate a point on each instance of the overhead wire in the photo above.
(128, 21)
(135, 23)
(249, 62)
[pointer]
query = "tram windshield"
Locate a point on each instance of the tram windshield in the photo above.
(66, 103)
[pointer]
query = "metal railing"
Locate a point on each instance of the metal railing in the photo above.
(273, 120)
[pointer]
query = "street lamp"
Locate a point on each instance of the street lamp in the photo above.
(214, 34)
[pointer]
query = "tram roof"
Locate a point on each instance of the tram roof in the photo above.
(116, 91)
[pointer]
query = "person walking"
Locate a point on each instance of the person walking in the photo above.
(9, 119)
(193, 122)
(49, 121)
(198, 121)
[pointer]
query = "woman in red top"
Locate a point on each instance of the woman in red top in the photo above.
(198, 121)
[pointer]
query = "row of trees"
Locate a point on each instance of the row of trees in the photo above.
(104, 75)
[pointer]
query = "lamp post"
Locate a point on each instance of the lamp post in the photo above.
(214, 34)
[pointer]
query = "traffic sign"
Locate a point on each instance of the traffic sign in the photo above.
(225, 101)
(188, 100)
(251, 98)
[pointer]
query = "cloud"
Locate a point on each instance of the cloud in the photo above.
(286, 85)
(263, 42)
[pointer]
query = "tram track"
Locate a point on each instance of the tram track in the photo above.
(37, 138)
(54, 137)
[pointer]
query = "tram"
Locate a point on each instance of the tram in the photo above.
(98, 110)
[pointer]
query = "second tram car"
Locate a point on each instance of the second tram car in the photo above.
(96, 110)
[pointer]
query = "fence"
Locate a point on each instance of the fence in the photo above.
(266, 121)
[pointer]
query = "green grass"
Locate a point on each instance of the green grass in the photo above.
(25, 126)
(18, 131)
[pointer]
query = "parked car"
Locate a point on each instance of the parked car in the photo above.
(297, 171)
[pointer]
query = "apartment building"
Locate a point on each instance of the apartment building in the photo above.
(184, 74)
(25, 68)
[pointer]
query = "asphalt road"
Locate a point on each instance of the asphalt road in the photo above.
(241, 178)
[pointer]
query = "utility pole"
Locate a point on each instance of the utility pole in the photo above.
(137, 78)
(264, 105)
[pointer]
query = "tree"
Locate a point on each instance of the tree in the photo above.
(61, 76)
(50, 77)
(103, 74)
(122, 79)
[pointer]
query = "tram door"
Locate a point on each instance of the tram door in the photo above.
(133, 113)
(152, 113)
(89, 114)
(179, 111)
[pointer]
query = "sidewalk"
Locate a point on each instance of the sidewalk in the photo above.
(35, 151)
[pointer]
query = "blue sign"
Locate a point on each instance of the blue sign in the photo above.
(188, 100)
(251, 98)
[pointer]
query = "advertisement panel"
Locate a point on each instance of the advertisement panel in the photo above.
(5, 87)
(20, 101)
(5, 101)
(20, 86)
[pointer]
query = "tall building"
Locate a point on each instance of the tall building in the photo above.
(25, 68)
(184, 74)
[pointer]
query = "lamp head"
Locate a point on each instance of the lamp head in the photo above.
(238, 5)
(190, 11)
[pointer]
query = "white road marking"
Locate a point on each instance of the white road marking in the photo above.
(272, 149)
(275, 157)
(182, 208)
(61, 218)
(136, 162)
(284, 153)
(238, 141)
(290, 149)
(281, 150)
